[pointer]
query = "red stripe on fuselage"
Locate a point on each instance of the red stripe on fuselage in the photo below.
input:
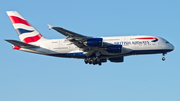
(147, 38)
(16, 20)
(32, 39)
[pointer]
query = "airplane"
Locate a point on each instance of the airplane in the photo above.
(94, 50)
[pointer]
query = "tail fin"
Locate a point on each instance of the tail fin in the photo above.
(27, 33)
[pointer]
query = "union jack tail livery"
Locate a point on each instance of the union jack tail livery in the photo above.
(27, 33)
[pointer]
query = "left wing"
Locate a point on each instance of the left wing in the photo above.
(67, 32)
(82, 41)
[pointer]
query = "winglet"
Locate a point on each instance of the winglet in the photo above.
(50, 26)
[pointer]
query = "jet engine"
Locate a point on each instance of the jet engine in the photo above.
(118, 59)
(95, 42)
(114, 48)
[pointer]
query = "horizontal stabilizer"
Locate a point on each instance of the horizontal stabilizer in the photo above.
(21, 44)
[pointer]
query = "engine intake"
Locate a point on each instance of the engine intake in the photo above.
(95, 42)
(114, 48)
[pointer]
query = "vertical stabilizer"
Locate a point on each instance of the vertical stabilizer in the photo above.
(27, 33)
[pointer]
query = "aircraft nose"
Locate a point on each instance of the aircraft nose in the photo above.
(171, 47)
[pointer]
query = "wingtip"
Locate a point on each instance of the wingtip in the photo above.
(50, 26)
(6, 40)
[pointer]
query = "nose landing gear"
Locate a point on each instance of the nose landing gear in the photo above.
(163, 58)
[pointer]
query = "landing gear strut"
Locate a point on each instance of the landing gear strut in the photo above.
(163, 58)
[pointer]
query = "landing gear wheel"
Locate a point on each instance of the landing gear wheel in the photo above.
(100, 63)
(94, 61)
(89, 61)
(163, 58)
(86, 61)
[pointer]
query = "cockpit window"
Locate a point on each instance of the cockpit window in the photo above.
(167, 42)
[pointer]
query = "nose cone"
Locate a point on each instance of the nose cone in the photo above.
(171, 47)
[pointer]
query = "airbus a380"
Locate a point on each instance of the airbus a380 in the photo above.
(94, 50)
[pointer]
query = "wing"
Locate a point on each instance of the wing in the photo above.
(66, 32)
(81, 41)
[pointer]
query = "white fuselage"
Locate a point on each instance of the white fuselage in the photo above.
(131, 45)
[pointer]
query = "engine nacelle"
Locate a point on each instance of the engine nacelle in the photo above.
(103, 60)
(114, 48)
(95, 42)
(118, 59)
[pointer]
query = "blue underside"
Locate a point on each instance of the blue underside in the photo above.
(81, 55)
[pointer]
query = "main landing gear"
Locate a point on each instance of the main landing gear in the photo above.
(163, 58)
(93, 61)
